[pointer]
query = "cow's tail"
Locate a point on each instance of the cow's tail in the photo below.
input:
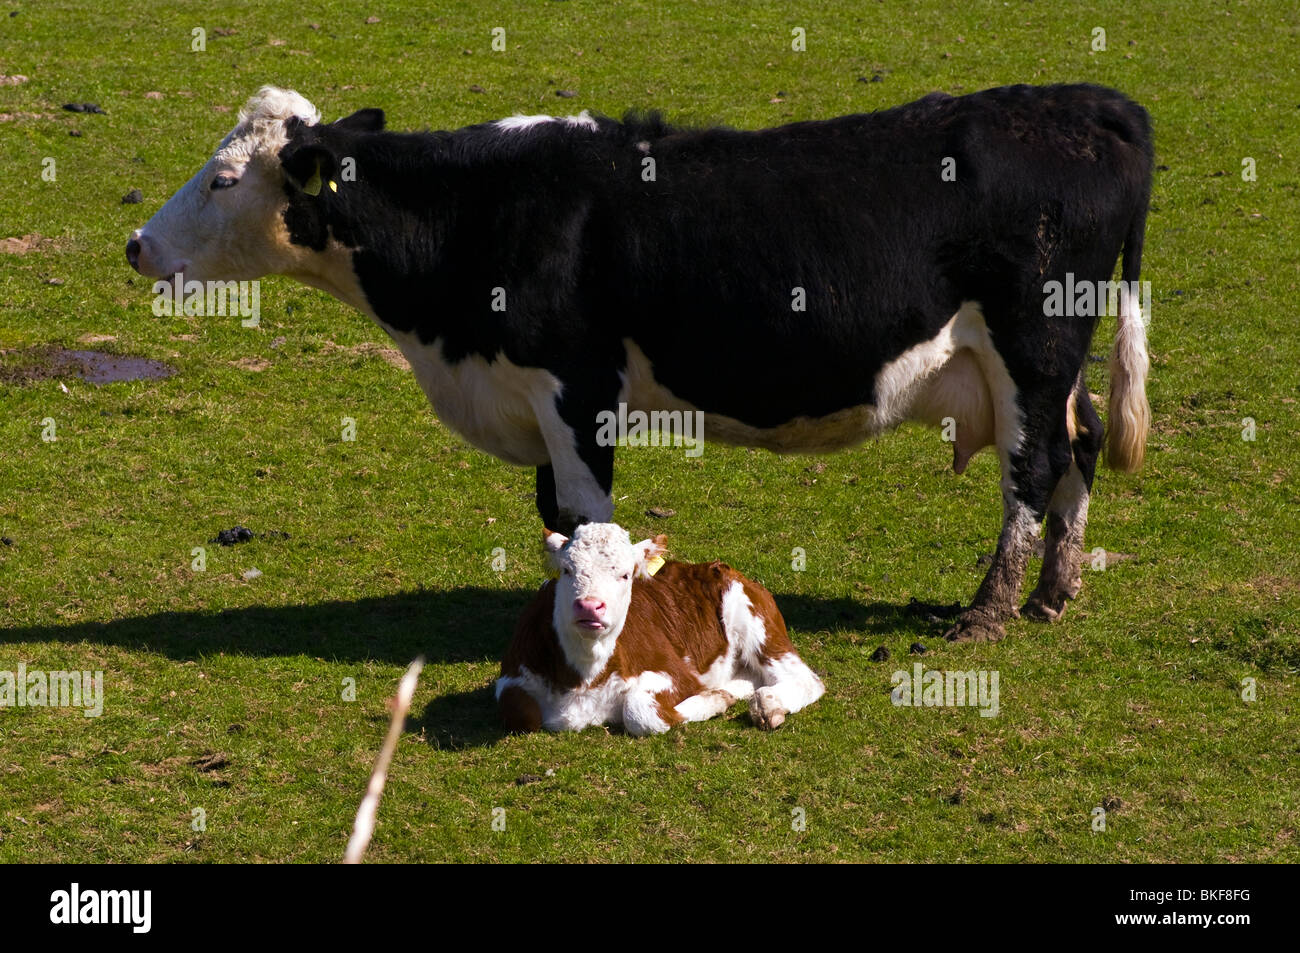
(1128, 410)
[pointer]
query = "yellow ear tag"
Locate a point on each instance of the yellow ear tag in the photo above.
(654, 565)
(312, 186)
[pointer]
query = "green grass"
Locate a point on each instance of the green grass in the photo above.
(1136, 696)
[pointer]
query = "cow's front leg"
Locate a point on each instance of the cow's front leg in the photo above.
(995, 600)
(548, 507)
(647, 706)
(1032, 465)
(709, 703)
(575, 487)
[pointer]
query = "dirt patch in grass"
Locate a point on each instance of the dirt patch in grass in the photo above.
(22, 244)
(48, 362)
(390, 355)
(1274, 585)
(168, 766)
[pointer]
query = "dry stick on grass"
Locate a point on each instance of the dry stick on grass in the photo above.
(364, 825)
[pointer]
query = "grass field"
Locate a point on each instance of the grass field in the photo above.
(226, 694)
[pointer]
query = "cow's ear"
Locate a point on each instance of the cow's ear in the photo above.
(554, 543)
(650, 555)
(363, 120)
(293, 124)
(308, 166)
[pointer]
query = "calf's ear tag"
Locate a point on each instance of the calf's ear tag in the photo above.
(654, 565)
(312, 185)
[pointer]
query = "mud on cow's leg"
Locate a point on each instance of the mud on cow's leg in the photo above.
(1030, 473)
(1067, 515)
(995, 600)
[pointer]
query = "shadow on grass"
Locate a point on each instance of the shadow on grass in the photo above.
(459, 720)
(885, 619)
(458, 625)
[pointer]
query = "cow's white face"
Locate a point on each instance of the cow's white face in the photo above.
(227, 222)
(596, 568)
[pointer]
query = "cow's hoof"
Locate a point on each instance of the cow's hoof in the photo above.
(1040, 610)
(765, 712)
(976, 627)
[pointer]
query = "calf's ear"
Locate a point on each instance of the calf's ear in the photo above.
(363, 120)
(554, 543)
(649, 555)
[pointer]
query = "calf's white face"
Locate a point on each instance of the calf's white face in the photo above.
(227, 222)
(596, 570)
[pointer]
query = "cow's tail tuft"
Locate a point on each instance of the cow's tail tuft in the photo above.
(1128, 410)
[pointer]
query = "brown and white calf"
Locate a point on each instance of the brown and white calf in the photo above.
(607, 643)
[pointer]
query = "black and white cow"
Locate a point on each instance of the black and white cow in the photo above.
(535, 276)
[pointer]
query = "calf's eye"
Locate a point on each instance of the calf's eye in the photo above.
(223, 182)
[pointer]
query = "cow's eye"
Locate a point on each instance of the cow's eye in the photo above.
(223, 182)
(627, 575)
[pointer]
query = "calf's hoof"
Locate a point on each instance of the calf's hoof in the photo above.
(765, 712)
(976, 626)
(724, 697)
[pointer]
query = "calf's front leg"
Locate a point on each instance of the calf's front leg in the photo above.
(707, 704)
(647, 706)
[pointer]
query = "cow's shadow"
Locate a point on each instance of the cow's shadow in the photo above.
(887, 620)
(452, 626)
(455, 625)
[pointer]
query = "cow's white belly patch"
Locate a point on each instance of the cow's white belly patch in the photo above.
(492, 404)
(957, 374)
(572, 709)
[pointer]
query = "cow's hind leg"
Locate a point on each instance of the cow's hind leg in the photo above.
(1034, 449)
(760, 644)
(788, 685)
(1067, 514)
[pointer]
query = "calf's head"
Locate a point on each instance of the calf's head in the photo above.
(596, 569)
(229, 221)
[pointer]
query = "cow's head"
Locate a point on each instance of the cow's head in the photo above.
(596, 569)
(228, 222)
